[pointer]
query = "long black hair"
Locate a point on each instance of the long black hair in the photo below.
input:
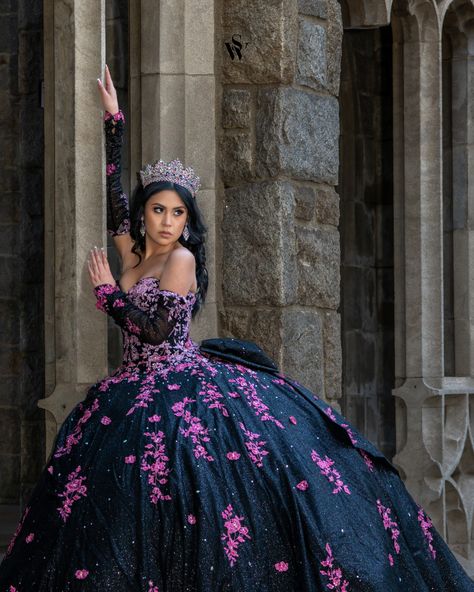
(196, 226)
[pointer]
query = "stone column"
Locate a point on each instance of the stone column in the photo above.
(75, 332)
(173, 105)
(278, 156)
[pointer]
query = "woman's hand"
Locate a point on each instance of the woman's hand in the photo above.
(108, 94)
(99, 270)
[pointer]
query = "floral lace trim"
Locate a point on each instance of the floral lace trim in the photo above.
(101, 292)
(115, 117)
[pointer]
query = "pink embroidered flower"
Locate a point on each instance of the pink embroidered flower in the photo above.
(154, 462)
(281, 566)
(390, 559)
(17, 531)
(255, 402)
(13, 589)
(119, 303)
(233, 455)
(110, 168)
(154, 418)
(30, 537)
(389, 524)
(332, 475)
(152, 587)
(278, 381)
(255, 447)
(81, 574)
(101, 293)
(337, 583)
(426, 524)
(50, 469)
(106, 420)
(191, 519)
(350, 433)
(293, 420)
(367, 460)
(74, 490)
(174, 387)
(116, 117)
(130, 459)
(75, 435)
(330, 413)
(195, 430)
(303, 485)
(235, 533)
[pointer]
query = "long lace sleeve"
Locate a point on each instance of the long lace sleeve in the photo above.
(151, 326)
(118, 211)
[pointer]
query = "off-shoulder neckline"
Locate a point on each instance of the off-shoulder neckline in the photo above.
(149, 277)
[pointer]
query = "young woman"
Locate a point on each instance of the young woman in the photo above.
(184, 471)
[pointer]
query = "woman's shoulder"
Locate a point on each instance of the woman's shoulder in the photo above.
(181, 254)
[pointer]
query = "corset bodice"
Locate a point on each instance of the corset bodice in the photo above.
(147, 296)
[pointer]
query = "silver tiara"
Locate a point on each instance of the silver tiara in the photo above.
(172, 171)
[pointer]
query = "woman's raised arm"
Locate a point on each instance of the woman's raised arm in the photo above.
(118, 210)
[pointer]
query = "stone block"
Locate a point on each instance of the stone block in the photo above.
(327, 205)
(235, 158)
(305, 202)
(303, 355)
(234, 322)
(311, 59)
(9, 483)
(267, 33)
(334, 46)
(332, 355)
(259, 244)
(10, 431)
(265, 329)
(236, 108)
(297, 134)
(313, 7)
(318, 266)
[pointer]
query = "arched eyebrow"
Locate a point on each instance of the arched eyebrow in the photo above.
(157, 203)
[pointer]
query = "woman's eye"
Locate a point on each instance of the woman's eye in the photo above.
(179, 212)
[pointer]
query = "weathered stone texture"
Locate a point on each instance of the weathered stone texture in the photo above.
(259, 249)
(297, 134)
(303, 349)
(313, 7)
(270, 29)
(236, 108)
(235, 158)
(318, 266)
(311, 62)
(332, 355)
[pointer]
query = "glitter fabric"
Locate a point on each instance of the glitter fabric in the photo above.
(184, 471)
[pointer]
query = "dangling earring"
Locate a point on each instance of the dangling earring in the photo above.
(186, 232)
(142, 228)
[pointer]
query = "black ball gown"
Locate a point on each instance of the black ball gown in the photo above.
(202, 468)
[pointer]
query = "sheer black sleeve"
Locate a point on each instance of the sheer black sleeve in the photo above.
(152, 326)
(118, 211)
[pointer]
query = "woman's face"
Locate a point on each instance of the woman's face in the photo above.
(165, 212)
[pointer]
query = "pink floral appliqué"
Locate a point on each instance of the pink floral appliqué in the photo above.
(75, 489)
(293, 420)
(426, 524)
(196, 431)
(281, 566)
(129, 460)
(255, 402)
(368, 461)
(332, 475)
(132, 327)
(145, 393)
(101, 293)
(211, 394)
(154, 462)
(391, 525)
(302, 485)
(81, 574)
(30, 537)
(110, 169)
(17, 531)
(233, 455)
(152, 587)
(337, 583)
(235, 533)
(255, 447)
(75, 436)
(191, 519)
(106, 420)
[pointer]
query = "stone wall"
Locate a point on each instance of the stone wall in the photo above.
(21, 249)
(278, 158)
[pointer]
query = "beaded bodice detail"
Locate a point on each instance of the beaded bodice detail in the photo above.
(146, 295)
